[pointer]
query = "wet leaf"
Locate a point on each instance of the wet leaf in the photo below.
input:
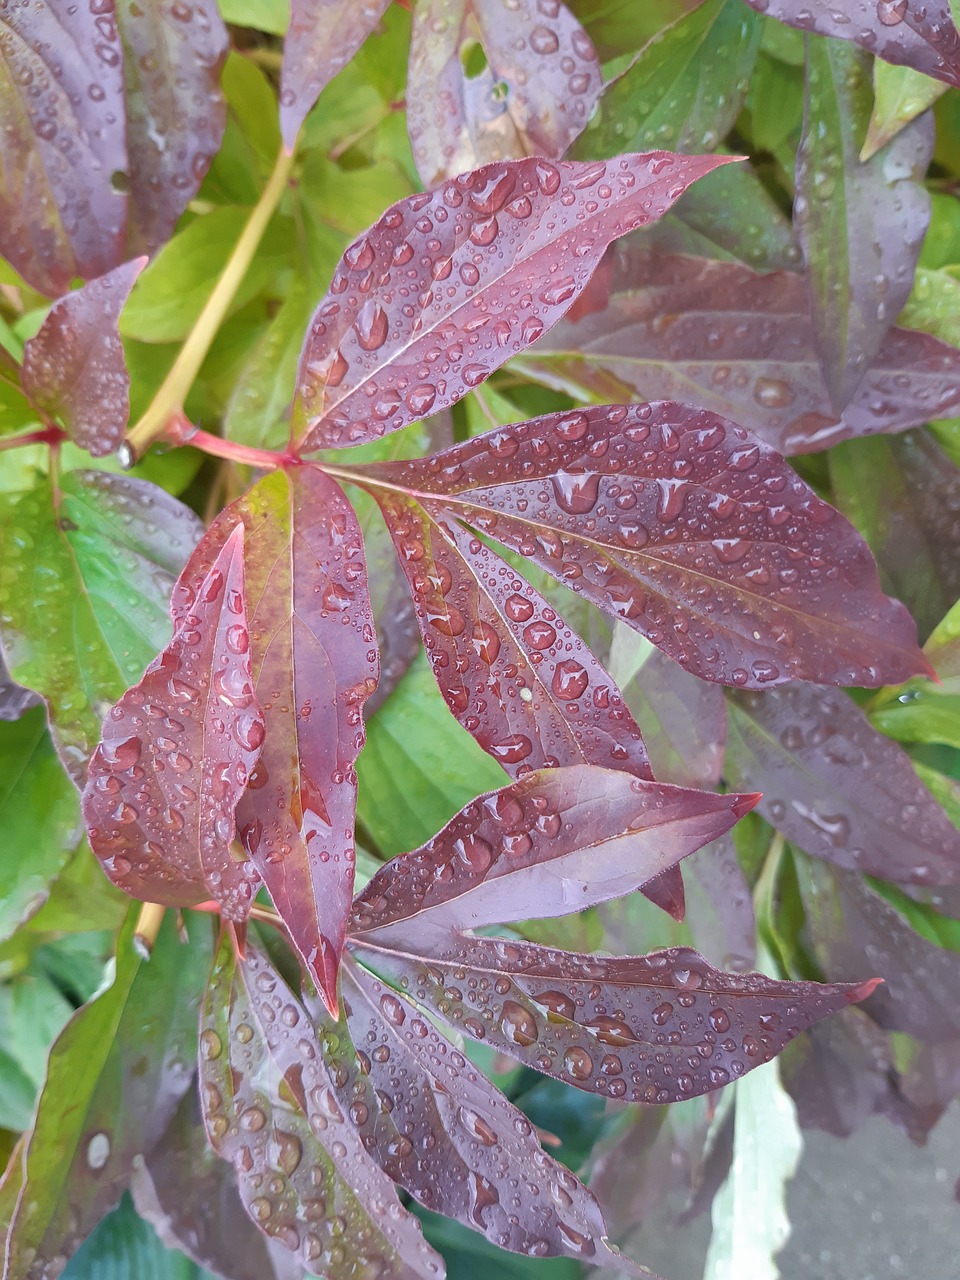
(491, 81)
(899, 96)
(837, 788)
(39, 816)
(717, 335)
(83, 599)
(686, 528)
(176, 754)
(556, 841)
(322, 38)
(175, 110)
(314, 659)
(123, 1245)
(680, 1027)
(60, 214)
(496, 235)
(684, 89)
(304, 1175)
(919, 36)
(861, 225)
(75, 369)
(115, 1076)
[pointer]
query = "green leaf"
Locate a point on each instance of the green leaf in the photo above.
(115, 1076)
(469, 1257)
(925, 714)
(418, 767)
(263, 15)
(33, 1012)
(934, 305)
(251, 139)
(39, 816)
(124, 1246)
(81, 898)
(900, 94)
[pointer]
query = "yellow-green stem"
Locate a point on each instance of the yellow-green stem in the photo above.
(173, 391)
(148, 926)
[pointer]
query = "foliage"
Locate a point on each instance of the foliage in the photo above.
(476, 301)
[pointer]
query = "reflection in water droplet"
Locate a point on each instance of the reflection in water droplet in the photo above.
(518, 1024)
(578, 1063)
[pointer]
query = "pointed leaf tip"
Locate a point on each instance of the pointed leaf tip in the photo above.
(743, 803)
(863, 990)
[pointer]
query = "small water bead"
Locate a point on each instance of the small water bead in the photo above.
(211, 1046)
(98, 1151)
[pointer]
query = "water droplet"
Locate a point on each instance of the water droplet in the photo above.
(477, 1126)
(393, 1010)
(98, 1151)
(540, 635)
(371, 326)
(519, 609)
(211, 1046)
(558, 1003)
(576, 492)
(578, 1063)
(252, 1120)
(518, 1024)
(570, 680)
(543, 40)
(513, 749)
(289, 1152)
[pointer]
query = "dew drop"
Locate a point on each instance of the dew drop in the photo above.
(518, 1024)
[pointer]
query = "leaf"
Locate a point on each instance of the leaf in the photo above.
(899, 96)
(263, 15)
(684, 89)
(496, 235)
(750, 1223)
(902, 492)
(190, 1197)
(115, 1076)
(719, 336)
(123, 1245)
(919, 36)
(510, 669)
(558, 840)
(39, 816)
(684, 527)
(75, 369)
(837, 788)
(83, 597)
(681, 1027)
(60, 214)
(314, 659)
(304, 1175)
(176, 754)
(15, 701)
(534, 91)
(860, 225)
(173, 56)
(322, 38)
(444, 1133)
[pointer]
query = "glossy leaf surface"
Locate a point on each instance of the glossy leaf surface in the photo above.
(860, 225)
(717, 335)
(839, 789)
(322, 38)
(60, 214)
(75, 368)
(464, 278)
(83, 601)
(536, 90)
(176, 754)
(115, 1076)
(686, 528)
(556, 841)
(678, 1026)
(314, 659)
(304, 1175)
(921, 36)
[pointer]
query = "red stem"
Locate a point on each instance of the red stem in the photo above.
(42, 435)
(182, 431)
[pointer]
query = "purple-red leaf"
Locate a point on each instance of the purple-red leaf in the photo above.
(839, 789)
(175, 756)
(556, 841)
(304, 1175)
(717, 335)
(75, 369)
(322, 38)
(536, 92)
(175, 111)
(860, 225)
(686, 528)
(62, 137)
(314, 660)
(904, 32)
(445, 1133)
(654, 1029)
(450, 284)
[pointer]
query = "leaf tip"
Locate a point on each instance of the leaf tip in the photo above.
(861, 990)
(742, 803)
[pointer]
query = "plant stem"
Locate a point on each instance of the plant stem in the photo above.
(43, 435)
(184, 432)
(169, 399)
(148, 926)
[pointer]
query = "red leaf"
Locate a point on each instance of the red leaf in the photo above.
(685, 527)
(681, 1027)
(536, 92)
(907, 34)
(556, 841)
(314, 661)
(722, 337)
(838, 788)
(449, 285)
(75, 368)
(60, 215)
(173, 57)
(322, 38)
(175, 756)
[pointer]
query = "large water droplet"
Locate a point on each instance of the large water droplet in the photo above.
(576, 492)
(518, 1024)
